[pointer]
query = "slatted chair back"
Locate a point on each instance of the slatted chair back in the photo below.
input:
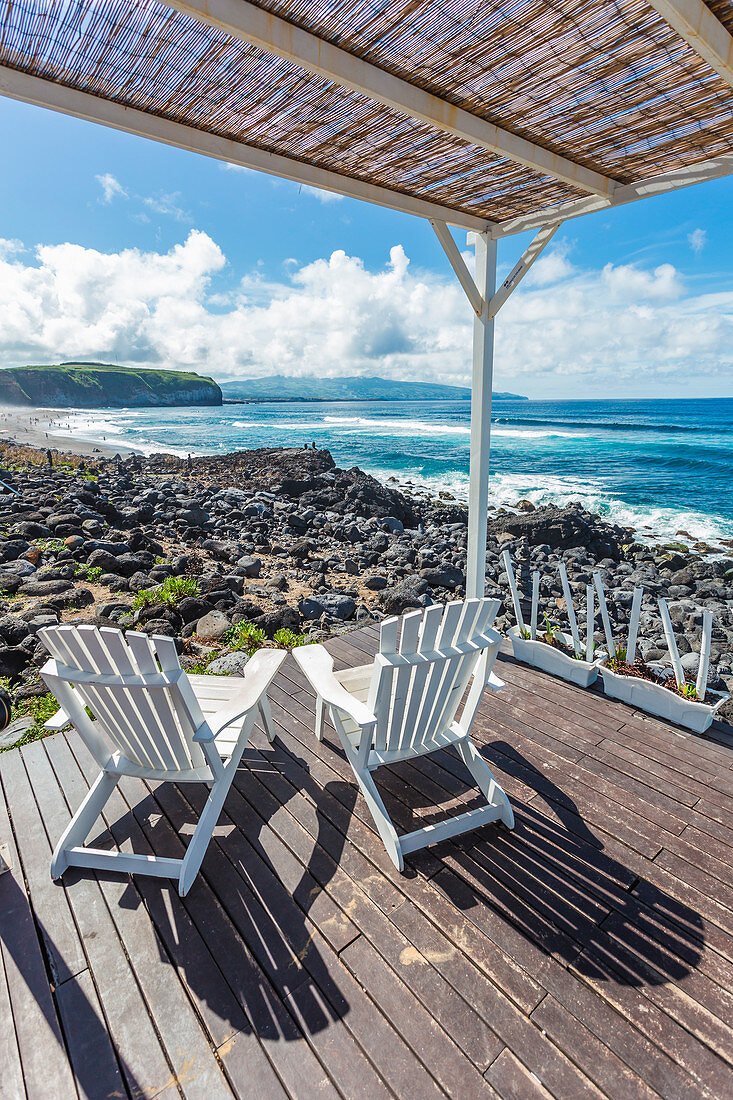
(141, 701)
(418, 684)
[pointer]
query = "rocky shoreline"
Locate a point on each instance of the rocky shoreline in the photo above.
(286, 541)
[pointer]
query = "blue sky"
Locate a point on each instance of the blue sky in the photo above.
(248, 256)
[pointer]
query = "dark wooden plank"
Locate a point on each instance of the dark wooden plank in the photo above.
(458, 1020)
(11, 1078)
(144, 1063)
(46, 1070)
(513, 1081)
(93, 1060)
(455, 1073)
(228, 1029)
(50, 905)
(600, 1063)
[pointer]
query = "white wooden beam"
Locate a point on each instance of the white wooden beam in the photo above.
(481, 384)
(457, 262)
(70, 101)
(250, 23)
(702, 31)
(631, 192)
(535, 248)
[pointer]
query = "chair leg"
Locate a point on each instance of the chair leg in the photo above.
(320, 717)
(203, 832)
(81, 823)
(266, 718)
(492, 791)
(382, 820)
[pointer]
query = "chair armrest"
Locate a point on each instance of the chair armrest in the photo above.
(494, 683)
(258, 676)
(317, 664)
(57, 721)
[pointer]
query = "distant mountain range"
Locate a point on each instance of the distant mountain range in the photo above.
(310, 388)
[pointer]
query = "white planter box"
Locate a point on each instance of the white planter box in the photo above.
(553, 660)
(657, 700)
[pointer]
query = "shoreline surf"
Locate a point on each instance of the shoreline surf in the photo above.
(646, 465)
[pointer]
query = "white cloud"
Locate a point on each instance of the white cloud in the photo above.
(10, 247)
(111, 188)
(697, 240)
(168, 205)
(322, 196)
(569, 330)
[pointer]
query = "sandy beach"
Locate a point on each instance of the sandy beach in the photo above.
(50, 429)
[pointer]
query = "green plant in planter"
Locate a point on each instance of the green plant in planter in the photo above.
(688, 690)
(550, 629)
(525, 633)
(618, 658)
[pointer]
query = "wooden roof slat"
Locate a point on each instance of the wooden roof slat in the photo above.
(249, 22)
(608, 87)
(695, 22)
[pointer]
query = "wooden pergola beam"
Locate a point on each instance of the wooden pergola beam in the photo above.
(706, 35)
(71, 101)
(632, 192)
(246, 21)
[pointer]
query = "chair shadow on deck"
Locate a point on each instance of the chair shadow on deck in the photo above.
(239, 939)
(554, 880)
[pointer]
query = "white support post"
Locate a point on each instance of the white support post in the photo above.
(481, 383)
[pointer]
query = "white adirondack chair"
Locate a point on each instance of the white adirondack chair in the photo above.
(152, 721)
(404, 705)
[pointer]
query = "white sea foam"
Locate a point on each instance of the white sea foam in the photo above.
(650, 522)
(397, 426)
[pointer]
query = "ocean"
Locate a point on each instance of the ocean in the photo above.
(660, 466)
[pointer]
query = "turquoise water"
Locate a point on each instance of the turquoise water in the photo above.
(666, 465)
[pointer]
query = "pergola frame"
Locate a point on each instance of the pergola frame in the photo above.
(692, 20)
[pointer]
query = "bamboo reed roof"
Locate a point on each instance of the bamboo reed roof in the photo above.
(607, 84)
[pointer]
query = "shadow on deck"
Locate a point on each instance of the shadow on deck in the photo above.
(589, 951)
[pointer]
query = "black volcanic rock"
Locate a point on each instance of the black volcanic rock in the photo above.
(562, 528)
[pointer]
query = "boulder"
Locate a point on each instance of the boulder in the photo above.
(214, 625)
(13, 659)
(13, 630)
(334, 604)
(11, 549)
(561, 528)
(445, 576)
(407, 593)
(249, 566)
(374, 582)
(231, 664)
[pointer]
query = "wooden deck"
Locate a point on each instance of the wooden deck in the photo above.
(588, 953)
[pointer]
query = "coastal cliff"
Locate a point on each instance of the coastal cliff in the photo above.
(103, 385)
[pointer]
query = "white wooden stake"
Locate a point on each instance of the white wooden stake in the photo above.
(702, 672)
(604, 615)
(513, 586)
(634, 625)
(535, 604)
(679, 672)
(590, 621)
(569, 608)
